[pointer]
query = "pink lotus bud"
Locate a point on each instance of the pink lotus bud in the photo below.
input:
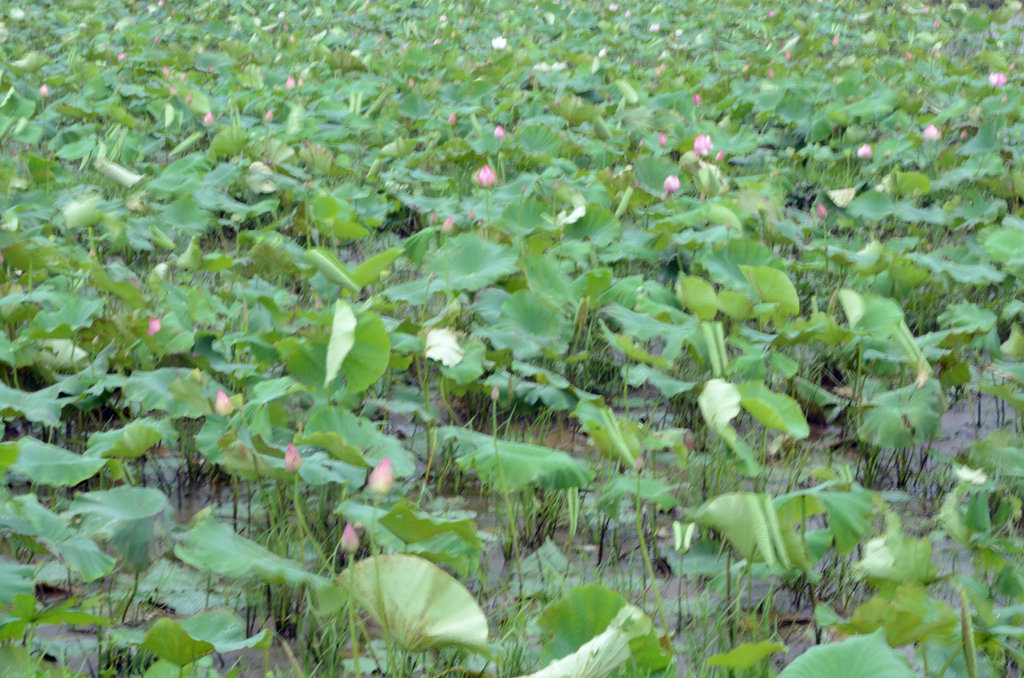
(702, 145)
(154, 326)
(864, 151)
(655, 28)
(280, 15)
(349, 539)
(485, 176)
(222, 405)
(662, 140)
(931, 133)
(937, 23)
(289, 83)
(300, 83)
(771, 12)
(208, 118)
(269, 115)
(788, 55)
(382, 478)
(671, 184)
(908, 56)
(835, 40)
(771, 72)
(719, 156)
(122, 56)
(629, 13)
(495, 393)
(997, 79)
(963, 134)
(822, 212)
(292, 459)
(44, 91)
(188, 99)
(449, 225)
(499, 132)
(696, 100)
(451, 118)
(173, 90)
(167, 72)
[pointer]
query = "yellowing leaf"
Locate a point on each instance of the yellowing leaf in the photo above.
(842, 196)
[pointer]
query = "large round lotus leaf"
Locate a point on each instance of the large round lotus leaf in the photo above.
(856, 657)
(421, 606)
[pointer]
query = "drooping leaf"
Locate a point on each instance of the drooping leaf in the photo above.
(343, 338)
(746, 655)
(774, 410)
(584, 613)
(516, 465)
(604, 653)
(45, 464)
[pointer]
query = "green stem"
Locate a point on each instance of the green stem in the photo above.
(301, 518)
(647, 557)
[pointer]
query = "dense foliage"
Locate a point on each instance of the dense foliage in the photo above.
(418, 338)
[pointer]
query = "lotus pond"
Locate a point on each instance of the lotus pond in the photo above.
(564, 339)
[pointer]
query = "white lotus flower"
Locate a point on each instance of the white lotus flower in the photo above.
(499, 43)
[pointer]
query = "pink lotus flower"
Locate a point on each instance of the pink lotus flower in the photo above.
(269, 115)
(671, 184)
(280, 15)
(289, 83)
(613, 7)
(154, 326)
(997, 79)
(629, 13)
(822, 212)
(696, 100)
(44, 91)
(485, 176)
(451, 118)
(349, 539)
(382, 478)
(655, 28)
(771, 12)
(662, 140)
(208, 118)
(222, 404)
(499, 132)
(931, 133)
(292, 459)
(121, 57)
(702, 145)
(864, 151)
